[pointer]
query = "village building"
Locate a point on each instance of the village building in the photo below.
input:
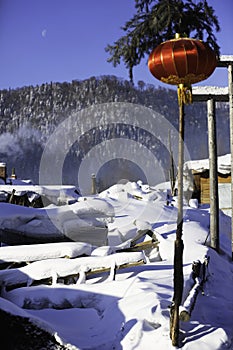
(197, 181)
(3, 172)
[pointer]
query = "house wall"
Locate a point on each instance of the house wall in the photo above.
(3, 171)
(224, 190)
(202, 185)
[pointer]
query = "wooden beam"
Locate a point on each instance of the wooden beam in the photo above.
(225, 61)
(204, 93)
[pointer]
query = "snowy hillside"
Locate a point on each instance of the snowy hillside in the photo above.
(29, 115)
(118, 296)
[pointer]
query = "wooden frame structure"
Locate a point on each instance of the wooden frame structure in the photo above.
(211, 95)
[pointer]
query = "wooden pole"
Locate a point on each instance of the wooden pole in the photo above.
(178, 248)
(93, 184)
(172, 168)
(230, 91)
(213, 175)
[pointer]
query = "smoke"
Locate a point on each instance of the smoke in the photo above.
(26, 136)
(15, 144)
(22, 150)
(9, 146)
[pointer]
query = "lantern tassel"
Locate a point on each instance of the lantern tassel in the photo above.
(184, 92)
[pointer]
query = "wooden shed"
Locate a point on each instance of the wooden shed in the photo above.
(199, 176)
(3, 174)
(202, 185)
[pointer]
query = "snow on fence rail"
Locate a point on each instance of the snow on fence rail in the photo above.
(76, 268)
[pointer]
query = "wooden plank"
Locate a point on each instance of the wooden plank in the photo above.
(140, 247)
(224, 179)
(205, 186)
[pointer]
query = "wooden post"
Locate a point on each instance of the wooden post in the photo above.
(213, 175)
(172, 167)
(210, 93)
(93, 184)
(178, 248)
(230, 91)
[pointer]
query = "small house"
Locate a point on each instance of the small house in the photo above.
(3, 171)
(196, 175)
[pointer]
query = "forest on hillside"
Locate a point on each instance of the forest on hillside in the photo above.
(29, 115)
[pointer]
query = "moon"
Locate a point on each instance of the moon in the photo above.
(43, 33)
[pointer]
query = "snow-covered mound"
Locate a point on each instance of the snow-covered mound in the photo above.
(57, 195)
(103, 307)
(83, 221)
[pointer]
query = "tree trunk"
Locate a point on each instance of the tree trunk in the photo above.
(178, 291)
(172, 167)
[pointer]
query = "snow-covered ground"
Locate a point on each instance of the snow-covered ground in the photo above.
(130, 311)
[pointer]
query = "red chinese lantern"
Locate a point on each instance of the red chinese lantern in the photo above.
(182, 62)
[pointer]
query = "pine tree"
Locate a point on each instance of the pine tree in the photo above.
(158, 20)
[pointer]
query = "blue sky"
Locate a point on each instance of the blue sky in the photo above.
(61, 40)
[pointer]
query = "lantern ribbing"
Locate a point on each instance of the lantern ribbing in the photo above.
(182, 62)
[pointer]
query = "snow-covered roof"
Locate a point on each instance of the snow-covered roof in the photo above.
(224, 58)
(203, 93)
(210, 90)
(224, 164)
